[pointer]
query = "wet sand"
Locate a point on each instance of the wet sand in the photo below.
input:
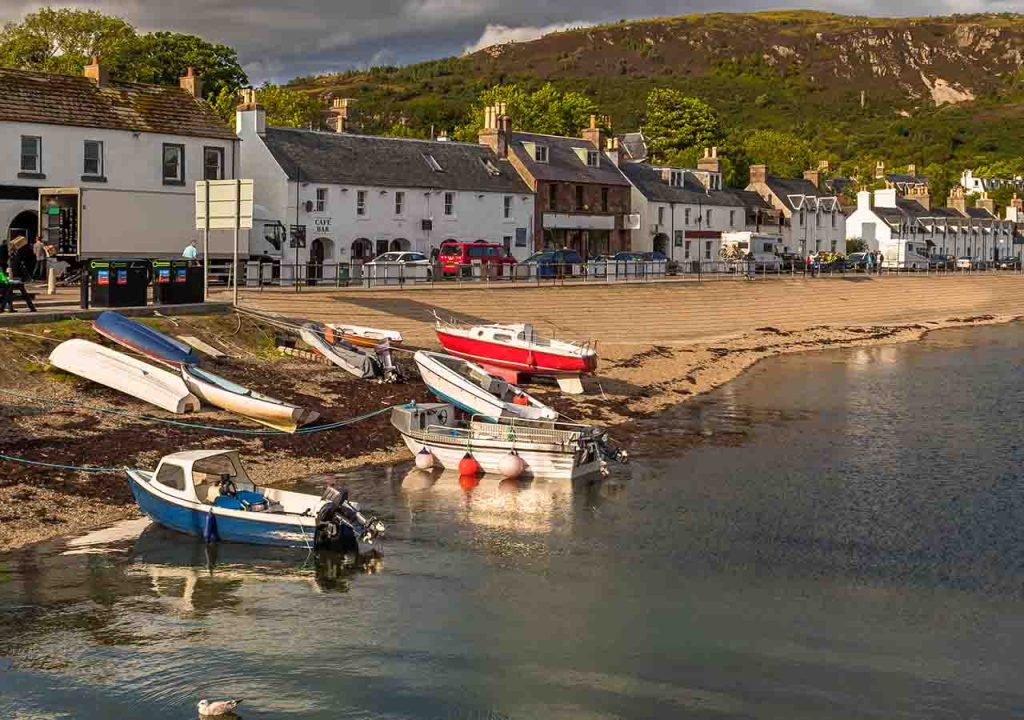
(659, 345)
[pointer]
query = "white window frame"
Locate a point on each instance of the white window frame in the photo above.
(540, 153)
(507, 207)
(360, 203)
(37, 155)
(219, 152)
(449, 204)
(179, 179)
(593, 158)
(321, 200)
(399, 202)
(98, 144)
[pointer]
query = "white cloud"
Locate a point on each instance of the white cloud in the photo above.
(500, 34)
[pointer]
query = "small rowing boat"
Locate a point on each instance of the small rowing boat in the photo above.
(221, 392)
(124, 373)
(143, 339)
(471, 388)
(517, 349)
(367, 337)
(208, 494)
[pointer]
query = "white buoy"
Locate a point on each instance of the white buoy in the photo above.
(424, 459)
(512, 466)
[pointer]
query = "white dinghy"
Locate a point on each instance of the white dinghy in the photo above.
(221, 392)
(124, 373)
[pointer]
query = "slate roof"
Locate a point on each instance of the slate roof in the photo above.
(344, 159)
(648, 180)
(633, 146)
(898, 178)
(74, 100)
(563, 164)
(784, 187)
(980, 213)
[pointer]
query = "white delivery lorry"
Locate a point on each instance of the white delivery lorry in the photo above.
(902, 254)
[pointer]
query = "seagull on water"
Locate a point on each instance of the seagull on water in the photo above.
(216, 708)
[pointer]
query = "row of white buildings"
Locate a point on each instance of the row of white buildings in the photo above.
(128, 155)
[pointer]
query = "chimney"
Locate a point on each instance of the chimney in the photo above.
(885, 198)
(340, 112)
(497, 129)
(912, 170)
(1016, 202)
(879, 170)
(613, 152)
(710, 162)
(824, 165)
(863, 200)
(921, 195)
(957, 199)
(813, 177)
(250, 116)
(96, 72)
(986, 203)
(594, 134)
(192, 84)
(758, 174)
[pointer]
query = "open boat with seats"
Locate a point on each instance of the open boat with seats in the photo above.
(365, 364)
(208, 494)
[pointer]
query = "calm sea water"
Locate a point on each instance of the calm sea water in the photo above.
(847, 542)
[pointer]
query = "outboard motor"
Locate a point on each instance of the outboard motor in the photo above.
(340, 524)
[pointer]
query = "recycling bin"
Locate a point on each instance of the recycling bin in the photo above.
(175, 282)
(119, 282)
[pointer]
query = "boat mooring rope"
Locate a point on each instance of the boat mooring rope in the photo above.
(81, 468)
(202, 426)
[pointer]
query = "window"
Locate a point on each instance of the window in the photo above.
(604, 199)
(707, 250)
(801, 217)
(540, 153)
(732, 218)
(833, 218)
(171, 476)
(817, 218)
(31, 154)
(361, 203)
(708, 219)
(508, 207)
(433, 164)
(579, 197)
(449, 204)
(553, 196)
(213, 163)
(676, 178)
(678, 238)
(593, 158)
(399, 202)
(321, 199)
(686, 216)
(661, 215)
(686, 249)
(92, 158)
(174, 164)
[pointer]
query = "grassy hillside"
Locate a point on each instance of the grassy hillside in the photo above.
(941, 92)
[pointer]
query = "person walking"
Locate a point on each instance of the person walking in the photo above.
(869, 262)
(191, 252)
(39, 251)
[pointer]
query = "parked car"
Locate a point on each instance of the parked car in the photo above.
(857, 261)
(942, 262)
(965, 262)
(1009, 263)
(395, 264)
(649, 256)
(456, 257)
(791, 262)
(554, 263)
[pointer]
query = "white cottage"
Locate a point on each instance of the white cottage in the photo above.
(357, 196)
(812, 220)
(132, 153)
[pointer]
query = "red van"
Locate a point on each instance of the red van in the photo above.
(456, 257)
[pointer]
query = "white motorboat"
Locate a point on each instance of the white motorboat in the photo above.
(471, 388)
(366, 336)
(341, 353)
(124, 373)
(221, 392)
(547, 449)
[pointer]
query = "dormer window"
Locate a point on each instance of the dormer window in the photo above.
(675, 178)
(593, 158)
(540, 153)
(490, 167)
(432, 163)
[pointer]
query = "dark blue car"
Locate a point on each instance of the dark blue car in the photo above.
(555, 263)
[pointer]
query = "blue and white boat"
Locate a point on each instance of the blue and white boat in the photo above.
(144, 339)
(208, 494)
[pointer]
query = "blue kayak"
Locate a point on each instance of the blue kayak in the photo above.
(144, 339)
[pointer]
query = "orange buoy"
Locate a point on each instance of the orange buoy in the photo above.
(520, 400)
(468, 465)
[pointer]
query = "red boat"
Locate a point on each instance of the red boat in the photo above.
(516, 349)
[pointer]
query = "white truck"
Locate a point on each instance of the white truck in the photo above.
(902, 254)
(751, 246)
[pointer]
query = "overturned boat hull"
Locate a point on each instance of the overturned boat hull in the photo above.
(143, 339)
(223, 393)
(125, 374)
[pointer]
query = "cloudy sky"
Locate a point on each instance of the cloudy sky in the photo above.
(279, 39)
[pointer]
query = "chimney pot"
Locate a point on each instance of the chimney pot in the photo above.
(191, 83)
(758, 174)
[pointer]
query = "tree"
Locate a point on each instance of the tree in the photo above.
(676, 122)
(785, 154)
(163, 57)
(64, 40)
(546, 110)
(290, 108)
(855, 245)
